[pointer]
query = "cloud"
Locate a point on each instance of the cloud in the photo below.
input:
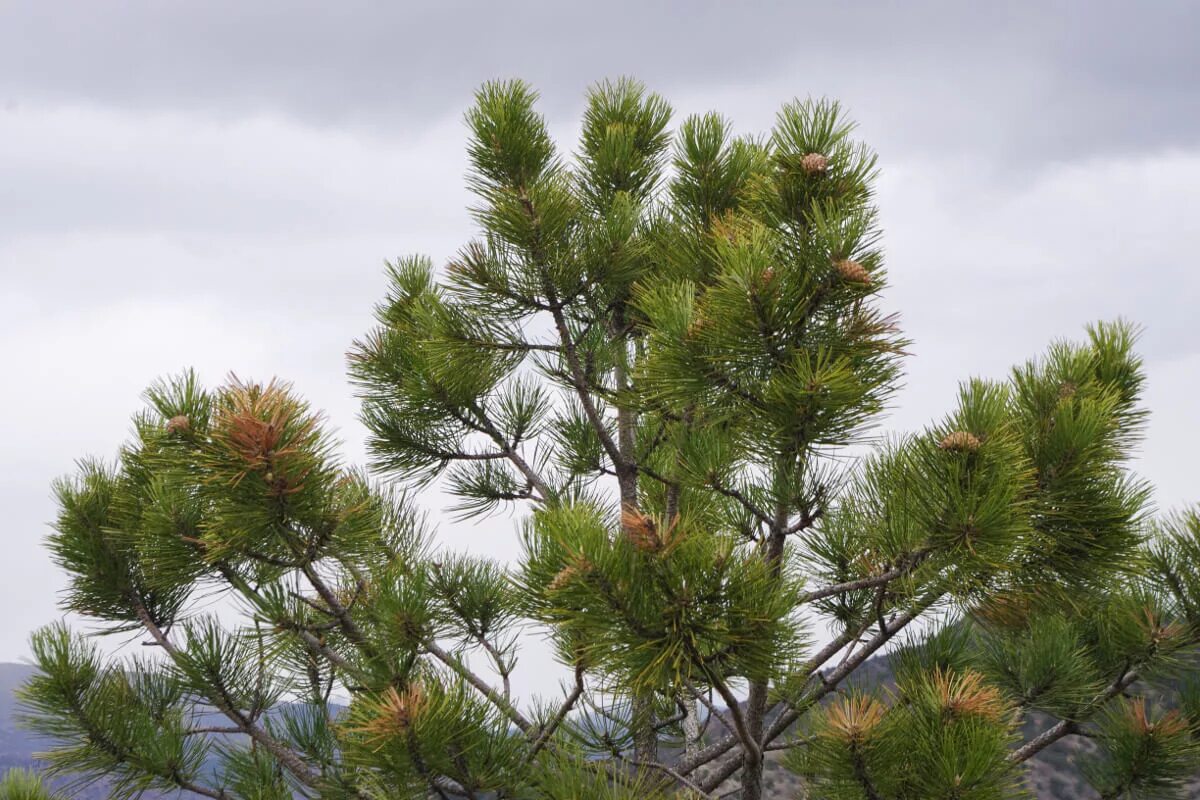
(985, 274)
(79, 167)
(73, 378)
(1038, 80)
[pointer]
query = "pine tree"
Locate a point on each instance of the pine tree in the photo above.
(664, 357)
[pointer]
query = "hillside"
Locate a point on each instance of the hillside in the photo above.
(16, 746)
(1053, 773)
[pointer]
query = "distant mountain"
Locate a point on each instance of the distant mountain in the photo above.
(16, 746)
(1053, 773)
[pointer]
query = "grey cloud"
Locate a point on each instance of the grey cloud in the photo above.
(1041, 80)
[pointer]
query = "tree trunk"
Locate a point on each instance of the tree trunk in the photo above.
(691, 728)
(752, 763)
(756, 702)
(645, 737)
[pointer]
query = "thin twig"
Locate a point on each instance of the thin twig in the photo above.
(497, 699)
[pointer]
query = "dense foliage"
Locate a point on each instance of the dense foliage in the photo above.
(665, 354)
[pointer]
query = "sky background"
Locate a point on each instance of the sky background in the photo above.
(218, 184)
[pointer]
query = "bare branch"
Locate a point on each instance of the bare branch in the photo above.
(287, 758)
(749, 742)
(900, 571)
(497, 699)
(544, 737)
(744, 501)
(658, 765)
(712, 709)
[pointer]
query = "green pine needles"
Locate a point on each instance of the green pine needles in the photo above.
(662, 357)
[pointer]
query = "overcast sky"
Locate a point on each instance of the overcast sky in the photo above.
(217, 185)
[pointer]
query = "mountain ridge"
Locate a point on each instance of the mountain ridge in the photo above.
(1053, 774)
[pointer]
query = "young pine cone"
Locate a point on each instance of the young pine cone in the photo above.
(641, 530)
(179, 424)
(960, 442)
(568, 574)
(852, 271)
(814, 164)
(563, 578)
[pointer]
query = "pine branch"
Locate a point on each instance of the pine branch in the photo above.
(509, 450)
(744, 501)
(712, 708)
(101, 740)
(829, 683)
(502, 668)
(748, 741)
(548, 731)
(578, 380)
(1068, 727)
(807, 519)
(520, 346)
(860, 773)
(661, 767)
(288, 758)
(314, 645)
(689, 764)
(203, 791)
(480, 685)
(340, 612)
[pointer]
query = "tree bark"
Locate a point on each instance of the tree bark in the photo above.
(756, 702)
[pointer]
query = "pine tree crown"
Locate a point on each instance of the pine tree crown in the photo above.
(665, 355)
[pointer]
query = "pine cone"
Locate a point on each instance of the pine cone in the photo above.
(279, 485)
(814, 164)
(179, 424)
(641, 530)
(960, 442)
(563, 578)
(570, 573)
(852, 271)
